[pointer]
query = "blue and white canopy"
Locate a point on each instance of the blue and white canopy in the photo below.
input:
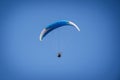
(55, 25)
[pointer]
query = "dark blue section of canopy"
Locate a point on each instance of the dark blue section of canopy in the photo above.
(58, 24)
(55, 25)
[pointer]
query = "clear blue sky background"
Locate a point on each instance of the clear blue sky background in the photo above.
(91, 54)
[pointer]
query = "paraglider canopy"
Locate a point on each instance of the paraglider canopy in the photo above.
(55, 25)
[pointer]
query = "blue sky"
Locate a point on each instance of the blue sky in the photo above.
(91, 54)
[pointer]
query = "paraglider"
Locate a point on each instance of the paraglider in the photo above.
(54, 26)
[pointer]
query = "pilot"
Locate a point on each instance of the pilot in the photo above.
(59, 55)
